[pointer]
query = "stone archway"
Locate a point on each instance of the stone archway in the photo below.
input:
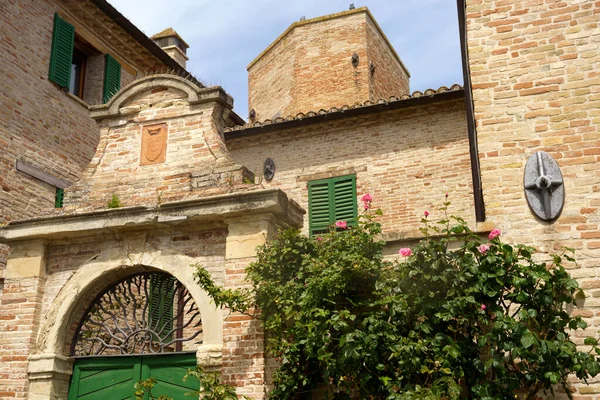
(50, 367)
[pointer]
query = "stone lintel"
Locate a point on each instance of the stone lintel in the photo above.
(173, 214)
(26, 260)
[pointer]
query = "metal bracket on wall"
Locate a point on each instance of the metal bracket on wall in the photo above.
(544, 186)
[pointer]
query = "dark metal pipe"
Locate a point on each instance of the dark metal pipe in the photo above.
(472, 131)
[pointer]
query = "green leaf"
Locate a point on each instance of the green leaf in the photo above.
(528, 339)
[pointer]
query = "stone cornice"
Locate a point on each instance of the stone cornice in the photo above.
(214, 209)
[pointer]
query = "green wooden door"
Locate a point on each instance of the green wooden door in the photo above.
(169, 375)
(103, 378)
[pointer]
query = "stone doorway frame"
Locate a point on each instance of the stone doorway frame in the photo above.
(251, 218)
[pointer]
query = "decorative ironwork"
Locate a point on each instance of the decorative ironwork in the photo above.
(151, 312)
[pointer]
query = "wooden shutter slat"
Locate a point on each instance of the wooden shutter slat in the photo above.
(61, 54)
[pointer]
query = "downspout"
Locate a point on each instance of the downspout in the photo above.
(472, 132)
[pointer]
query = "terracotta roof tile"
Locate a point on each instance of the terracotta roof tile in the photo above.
(368, 103)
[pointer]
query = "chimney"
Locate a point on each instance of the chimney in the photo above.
(173, 45)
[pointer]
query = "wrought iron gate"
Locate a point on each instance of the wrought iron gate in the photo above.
(136, 329)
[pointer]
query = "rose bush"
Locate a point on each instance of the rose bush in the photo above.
(483, 320)
(454, 317)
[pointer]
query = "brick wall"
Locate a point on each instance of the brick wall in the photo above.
(271, 82)
(206, 247)
(309, 67)
(243, 340)
(195, 158)
(390, 153)
(40, 123)
(94, 79)
(19, 320)
(536, 86)
(325, 76)
(389, 77)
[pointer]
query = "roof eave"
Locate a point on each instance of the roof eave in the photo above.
(138, 35)
(349, 113)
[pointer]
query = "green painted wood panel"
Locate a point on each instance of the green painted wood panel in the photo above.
(160, 311)
(105, 378)
(169, 372)
(101, 378)
(331, 200)
(59, 198)
(112, 77)
(61, 54)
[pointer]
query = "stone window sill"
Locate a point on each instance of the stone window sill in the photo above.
(78, 100)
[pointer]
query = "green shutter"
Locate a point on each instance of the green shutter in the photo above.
(345, 199)
(319, 212)
(160, 312)
(331, 200)
(63, 40)
(59, 198)
(112, 78)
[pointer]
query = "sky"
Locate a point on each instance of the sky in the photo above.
(226, 35)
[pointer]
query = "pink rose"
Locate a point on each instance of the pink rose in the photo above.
(494, 234)
(367, 199)
(446, 194)
(341, 224)
(319, 238)
(405, 252)
(483, 307)
(426, 213)
(483, 248)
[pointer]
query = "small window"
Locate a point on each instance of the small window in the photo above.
(331, 200)
(59, 198)
(81, 69)
(78, 64)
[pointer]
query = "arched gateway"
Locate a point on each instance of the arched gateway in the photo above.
(106, 296)
(147, 325)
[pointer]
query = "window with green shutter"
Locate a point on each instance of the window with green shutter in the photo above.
(160, 311)
(63, 40)
(112, 78)
(331, 200)
(59, 198)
